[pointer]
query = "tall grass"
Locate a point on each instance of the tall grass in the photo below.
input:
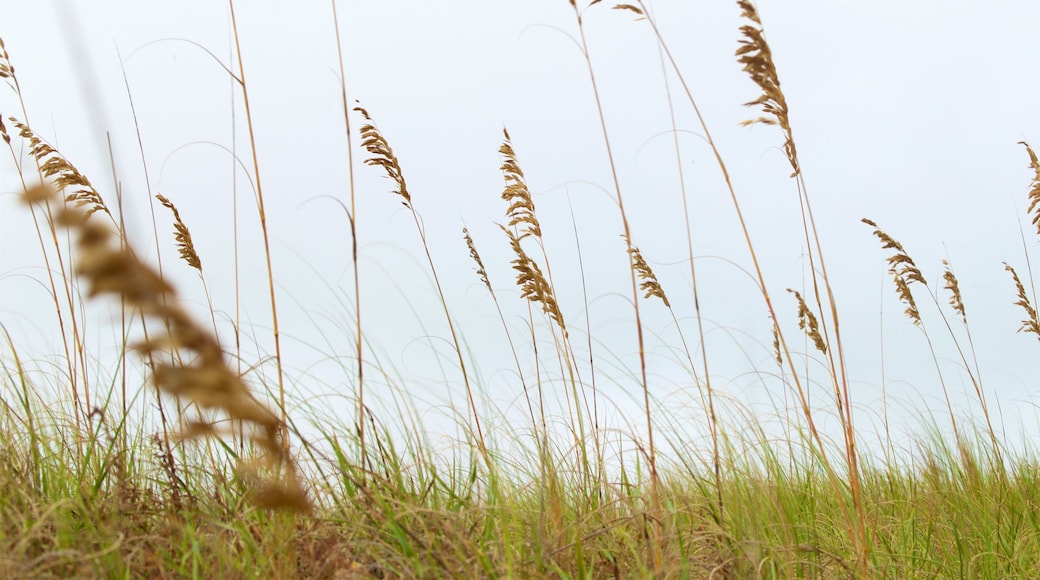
(90, 487)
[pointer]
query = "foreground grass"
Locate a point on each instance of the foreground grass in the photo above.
(947, 517)
(199, 478)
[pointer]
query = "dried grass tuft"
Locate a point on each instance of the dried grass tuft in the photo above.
(62, 174)
(1034, 186)
(648, 281)
(6, 68)
(182, 236)
(383, 155)
(521, 205)
(630, 8)
(481, 272)
(533, 284)
(523, 222)
(187, 361)
(807, 322)
(956, 300)
(1031, 323)
(777, 352)
(903, 269)
(756, 56)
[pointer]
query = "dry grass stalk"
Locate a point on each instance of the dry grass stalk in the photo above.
(516, 194)
(956, 300)
(808, 323)
(1032, 322)
(533, 284)
(204, 379)
(776, 346)
(903, 269)
(6, 68)
(481, 272)
(182, 236)
(383, 155)
(1034, 186)
(629, 7)
(756, 56)
(648, 281)
(62, 174)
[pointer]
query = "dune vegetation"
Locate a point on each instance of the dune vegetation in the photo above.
(171, 455)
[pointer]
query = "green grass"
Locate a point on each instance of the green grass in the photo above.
(211, 473)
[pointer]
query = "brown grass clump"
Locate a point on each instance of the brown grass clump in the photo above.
(951, 284)
(481, 271)
(648, 281)
(63, 175)
(1034, 186)
(383, 155)
(903, 269)
(187, 362)
(532, 282)
(521, 205)
(182, 236)
(756, 56)
(534, 285)
(1032, 322)
(807, 321)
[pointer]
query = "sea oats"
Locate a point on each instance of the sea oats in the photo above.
(521, 206)
(481, 272)
(903, 270)
(648, 283)
(956, 300)
(6, 69)
(533, 284)
(37, 193)
(756, 56)
(204, 378)
(63, 175)
(808, 323)
(629, 7)
(1034, 186)
(1032, 322)
(182, 236)
(776, 346)
(383, 155)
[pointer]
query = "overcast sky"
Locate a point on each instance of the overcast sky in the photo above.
(906, 112)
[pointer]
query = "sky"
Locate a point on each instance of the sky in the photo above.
(905, 112)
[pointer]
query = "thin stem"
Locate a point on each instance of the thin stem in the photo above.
(263, 229)
(652, 451)
(353, 241)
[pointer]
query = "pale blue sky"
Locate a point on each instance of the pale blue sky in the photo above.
(907, 112)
